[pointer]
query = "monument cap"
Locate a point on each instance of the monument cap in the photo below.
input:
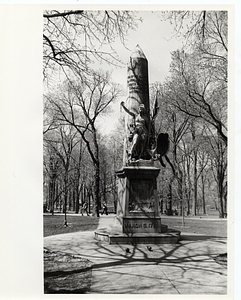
(138, 53)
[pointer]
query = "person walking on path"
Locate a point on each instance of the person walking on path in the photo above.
(104, 211)
(84, 208)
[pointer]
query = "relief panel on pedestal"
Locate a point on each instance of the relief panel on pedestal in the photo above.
(141, 197)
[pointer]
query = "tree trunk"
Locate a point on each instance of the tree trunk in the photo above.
(65, 199)
(97, 190)
(51, 196)
(76, 199)
(189, 189)
(194, 204)
(90, 199)
(203, 194)
(220, 178)
(169, 198)
(180, 192)
(225, 198)
(65, 210)
(114, 195)
(97, 174)
(220, 199)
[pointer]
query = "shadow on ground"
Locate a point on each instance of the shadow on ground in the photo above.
(185, 268)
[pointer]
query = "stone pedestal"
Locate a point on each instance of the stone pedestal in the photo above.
(138, 205)
(138, 214)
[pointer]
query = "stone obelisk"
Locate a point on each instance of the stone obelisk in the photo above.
(137, 81)
(138, 90)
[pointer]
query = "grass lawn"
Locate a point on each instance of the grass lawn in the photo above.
(209, 226)
(55, 224)
(200, 225)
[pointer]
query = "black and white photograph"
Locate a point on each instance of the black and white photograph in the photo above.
(135, 151)
(120, 150)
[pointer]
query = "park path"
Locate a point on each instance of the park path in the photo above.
(184, 268)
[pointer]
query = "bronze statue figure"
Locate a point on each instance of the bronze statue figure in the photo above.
(138, 133)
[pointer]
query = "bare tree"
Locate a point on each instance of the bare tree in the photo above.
(218, 150)
(196, 92)
(74, 38)
(203, 30)
(199, 74)
(62, 144)
(80, 105)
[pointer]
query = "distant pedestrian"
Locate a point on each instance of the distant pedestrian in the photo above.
(104, 211)
(84, 208)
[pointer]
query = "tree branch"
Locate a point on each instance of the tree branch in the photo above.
(68, 13)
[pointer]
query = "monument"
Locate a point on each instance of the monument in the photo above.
(138, 213)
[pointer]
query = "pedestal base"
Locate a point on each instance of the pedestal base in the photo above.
(170, 237)
(113, 234)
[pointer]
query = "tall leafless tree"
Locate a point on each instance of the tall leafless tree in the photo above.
(72, 39)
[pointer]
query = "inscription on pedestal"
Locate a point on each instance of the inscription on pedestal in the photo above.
(141, 225)
(138, 225)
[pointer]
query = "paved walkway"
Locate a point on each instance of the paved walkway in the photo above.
(184, 268)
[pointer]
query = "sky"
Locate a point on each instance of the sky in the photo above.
(155, 37)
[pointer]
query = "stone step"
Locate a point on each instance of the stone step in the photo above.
(171, 237)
